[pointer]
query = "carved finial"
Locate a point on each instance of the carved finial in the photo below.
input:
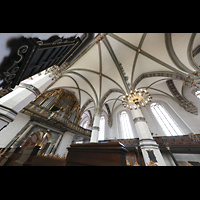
(189, 164)
(136, 164)
(57, 156)
(151, 163)
(128, 163)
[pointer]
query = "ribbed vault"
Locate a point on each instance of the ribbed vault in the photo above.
(115, 63)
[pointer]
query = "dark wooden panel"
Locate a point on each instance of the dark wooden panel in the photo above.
(97, 154)
(33, 56)
(170, 140)
(187, 139)
(158, 140)
(178, 140)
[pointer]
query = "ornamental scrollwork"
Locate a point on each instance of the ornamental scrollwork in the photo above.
(12, 71)
(54, 72)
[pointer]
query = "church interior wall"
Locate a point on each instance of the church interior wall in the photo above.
(107, 130)
(82, 83)
(83, 121)
(174, 110)
(115, 130)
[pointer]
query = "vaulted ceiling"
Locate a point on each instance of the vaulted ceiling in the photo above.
(115, 63)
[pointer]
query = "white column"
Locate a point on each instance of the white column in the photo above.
(147, 143)
(95, 127)
(64, 144)
(16, 100)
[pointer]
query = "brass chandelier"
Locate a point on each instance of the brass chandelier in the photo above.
(135, 100)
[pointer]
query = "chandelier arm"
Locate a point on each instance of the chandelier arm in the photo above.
(136, 99)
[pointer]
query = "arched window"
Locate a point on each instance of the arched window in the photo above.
(85, 124)
(125, 124)
(102, 128)
(164, 119)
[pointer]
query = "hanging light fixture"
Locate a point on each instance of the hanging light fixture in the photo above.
(136, 100)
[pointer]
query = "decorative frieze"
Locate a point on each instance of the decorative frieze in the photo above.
(183, 102)
(157, 74)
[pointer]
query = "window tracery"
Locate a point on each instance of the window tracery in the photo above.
(85, 124)
(164, 119)
(102, 128)
(125, 125)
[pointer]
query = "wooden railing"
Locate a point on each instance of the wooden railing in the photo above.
(162, 141)
(177, 140)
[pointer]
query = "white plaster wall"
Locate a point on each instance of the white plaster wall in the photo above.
(186, 121)
(86, 118)
(9, 132)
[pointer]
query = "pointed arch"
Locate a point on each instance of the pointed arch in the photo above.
(172, 54)
(107, 94)
(86, 80)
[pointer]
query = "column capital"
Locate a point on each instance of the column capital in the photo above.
(31, 88)
(96, 128)
(139, 119)
(98, 111)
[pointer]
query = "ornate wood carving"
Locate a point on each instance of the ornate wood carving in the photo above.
(64, 105)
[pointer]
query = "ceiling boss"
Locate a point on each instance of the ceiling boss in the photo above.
(136, 99)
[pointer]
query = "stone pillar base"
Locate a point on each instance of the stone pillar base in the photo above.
(151, 151)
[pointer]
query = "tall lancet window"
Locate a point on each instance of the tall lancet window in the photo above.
(102, 128)
(197, 93)
(85, 124)
(125, 124)
(166, 122)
